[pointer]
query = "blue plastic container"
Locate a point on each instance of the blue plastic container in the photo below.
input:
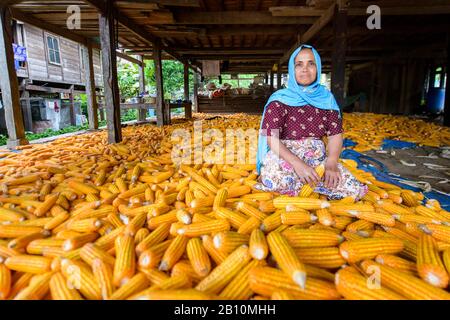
(436, 100)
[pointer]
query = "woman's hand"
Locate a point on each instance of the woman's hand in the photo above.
(332, 174)
(306, 174)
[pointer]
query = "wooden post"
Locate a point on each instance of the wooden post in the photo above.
(338, 55)
(447, 87)
(92, 106)
(279, 77)
(9, 83)
(109, 65)
(187, 104)
(266, 79)
(271, 80)
(195, 91)
(73, 120)
(161, 118)
(142, 113)
(26, 111)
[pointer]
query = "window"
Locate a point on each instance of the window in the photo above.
(53, 50)
(82, 53)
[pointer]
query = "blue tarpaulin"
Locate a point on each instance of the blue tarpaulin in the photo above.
(397, 144)
(381, 173)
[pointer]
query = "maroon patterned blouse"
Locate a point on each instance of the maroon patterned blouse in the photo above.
(295, 123)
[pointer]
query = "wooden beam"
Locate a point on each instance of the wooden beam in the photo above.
(109, 66)
(91, 96)
(312, 31)
(174, 3)
(137, 29)
(26, 110)
(407, 9)
(160, 106)
(9, 83)
(338, 56)
(237, 17)
(142, 112)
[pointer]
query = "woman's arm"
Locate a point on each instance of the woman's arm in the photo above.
(332, 174)
(305, 172)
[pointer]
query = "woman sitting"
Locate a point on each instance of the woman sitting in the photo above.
(294, 121)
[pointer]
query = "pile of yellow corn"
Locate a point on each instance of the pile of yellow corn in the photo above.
(368, 130)
(80, 219)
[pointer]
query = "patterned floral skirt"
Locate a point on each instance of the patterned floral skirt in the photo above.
(277, 175)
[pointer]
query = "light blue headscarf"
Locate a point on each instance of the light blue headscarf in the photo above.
(296, 95)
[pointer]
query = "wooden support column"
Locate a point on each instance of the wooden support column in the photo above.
(109, 65)
(187, 109)
(142, 113)
(196, 82)
(9, 83)
(447, 87)
(161, 118)
(279, 77)
(26, 110)
(271, 80)
(266, 79)
(92, 106)
(338, 55)
(73, 120)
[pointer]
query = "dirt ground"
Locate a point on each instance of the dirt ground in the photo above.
(392, 162)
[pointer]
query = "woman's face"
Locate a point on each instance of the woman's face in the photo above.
(305, 67)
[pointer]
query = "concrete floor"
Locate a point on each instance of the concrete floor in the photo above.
(392, 162)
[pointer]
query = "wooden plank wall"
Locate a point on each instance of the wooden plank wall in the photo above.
(70, 71)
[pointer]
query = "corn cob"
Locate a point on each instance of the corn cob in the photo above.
(155, 237)
(37, 288)
(286, 258)
(307, 189)
(60, 290)
(90, 252)
(258, 245)
(198, 256)
(224, 272)
(354, 251)
(437, 231)
(353, 286)
(236, 219)
(186, 294)
(429, 264)
(228, 241)
(405, 284)
(215, 254)
(80, 277)
(136, 284)
(125, 263)
(28, 263)
(202, 228)
(328, 257)
(397, 263)
(304, 238)
(173, 253)
(297, 217)
(265, 281)
(5, 281)
(21, 243)
(14, 231)
(239, 287)
(78, 241)
(151, 257)
(104, 276)
(283, 202)
(185, 267)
